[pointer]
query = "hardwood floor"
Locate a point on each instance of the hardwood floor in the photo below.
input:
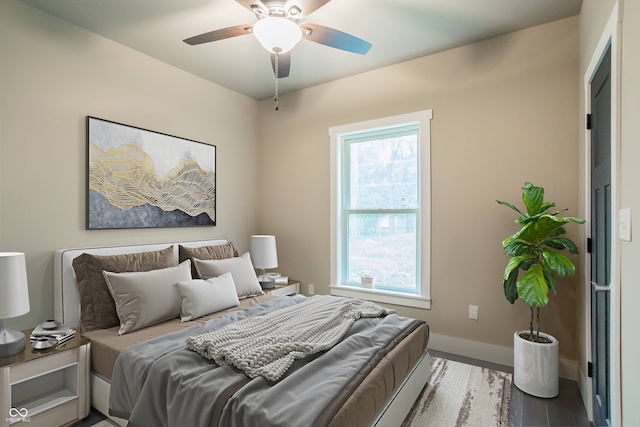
(525, 410)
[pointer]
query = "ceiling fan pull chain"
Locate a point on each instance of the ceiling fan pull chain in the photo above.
(275, 98)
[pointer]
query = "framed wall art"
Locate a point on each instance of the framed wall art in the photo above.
(139, 178)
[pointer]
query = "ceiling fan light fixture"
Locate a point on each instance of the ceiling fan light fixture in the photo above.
(277, 35)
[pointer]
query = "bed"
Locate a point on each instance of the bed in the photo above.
(382, 397)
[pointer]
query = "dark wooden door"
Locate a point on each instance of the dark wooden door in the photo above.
(601, 238)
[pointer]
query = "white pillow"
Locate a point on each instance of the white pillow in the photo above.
(244, 276)
(146, 298)
(200, 297)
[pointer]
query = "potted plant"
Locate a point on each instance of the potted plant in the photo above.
(535, 261)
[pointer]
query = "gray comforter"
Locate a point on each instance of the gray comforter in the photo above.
(162, 383)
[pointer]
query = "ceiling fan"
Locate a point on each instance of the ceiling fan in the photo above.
(279, 29)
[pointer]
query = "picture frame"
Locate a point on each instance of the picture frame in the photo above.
(139, 178)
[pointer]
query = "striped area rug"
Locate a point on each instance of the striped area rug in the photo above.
(462, 395)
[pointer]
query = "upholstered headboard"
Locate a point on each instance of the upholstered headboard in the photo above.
(66, 297)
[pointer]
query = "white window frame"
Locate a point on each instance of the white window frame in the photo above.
(423, 299)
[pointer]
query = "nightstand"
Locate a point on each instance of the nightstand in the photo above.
(291, 288)
(45, 387)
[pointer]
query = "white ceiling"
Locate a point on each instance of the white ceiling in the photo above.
(398, 30)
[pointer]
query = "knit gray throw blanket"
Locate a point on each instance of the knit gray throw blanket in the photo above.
(267, 345)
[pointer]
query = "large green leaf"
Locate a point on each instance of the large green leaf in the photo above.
(532, 197)
(509, 205)
(524, 265)
(558, 212)
(533, 288)
(551, 280)
(553, 244)
(513, 264)
(527, 233)
(517, 247)
(525, 219)
(561, 243)
(574, 219)
(510, 288)
(507, 241)
(559, 232)
(560, 264)
(546, 205)
(546, 226)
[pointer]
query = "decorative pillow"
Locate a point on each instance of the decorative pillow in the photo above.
(205, 252)
(147, 298)
(97, 309)
(200, 297)
(244, 276)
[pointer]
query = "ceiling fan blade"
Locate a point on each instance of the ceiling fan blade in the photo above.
(284, 64)
(223, 33)
(305, 7)
(334, 38)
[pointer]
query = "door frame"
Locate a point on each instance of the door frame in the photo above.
(610, 37)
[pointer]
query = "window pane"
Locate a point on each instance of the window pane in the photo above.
(383, 173)
(383, 246)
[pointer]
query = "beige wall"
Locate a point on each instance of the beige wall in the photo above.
(52, 75)
(504, 112)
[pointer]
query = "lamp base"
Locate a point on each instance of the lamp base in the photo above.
(11, 342)
(266, 282)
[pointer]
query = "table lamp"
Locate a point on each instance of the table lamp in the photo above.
(264, 255)
(14, 300)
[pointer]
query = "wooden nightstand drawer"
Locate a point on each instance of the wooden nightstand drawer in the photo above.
(38, 367)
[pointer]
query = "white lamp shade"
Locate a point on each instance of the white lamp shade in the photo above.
(14, 290)
(263, 252)
(277, 35)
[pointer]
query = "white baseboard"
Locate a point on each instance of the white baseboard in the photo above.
(585, 392)
(491, 353)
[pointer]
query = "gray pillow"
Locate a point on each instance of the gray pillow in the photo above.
(97, 309)
(244, 276)
(200, 297)
(205, 252)
(147, 298)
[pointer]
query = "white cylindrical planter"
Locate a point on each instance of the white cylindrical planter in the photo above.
(535, 366)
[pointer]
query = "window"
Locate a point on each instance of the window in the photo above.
(380, 209)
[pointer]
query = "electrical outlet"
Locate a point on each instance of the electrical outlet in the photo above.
(311, 289)
(473, 312)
